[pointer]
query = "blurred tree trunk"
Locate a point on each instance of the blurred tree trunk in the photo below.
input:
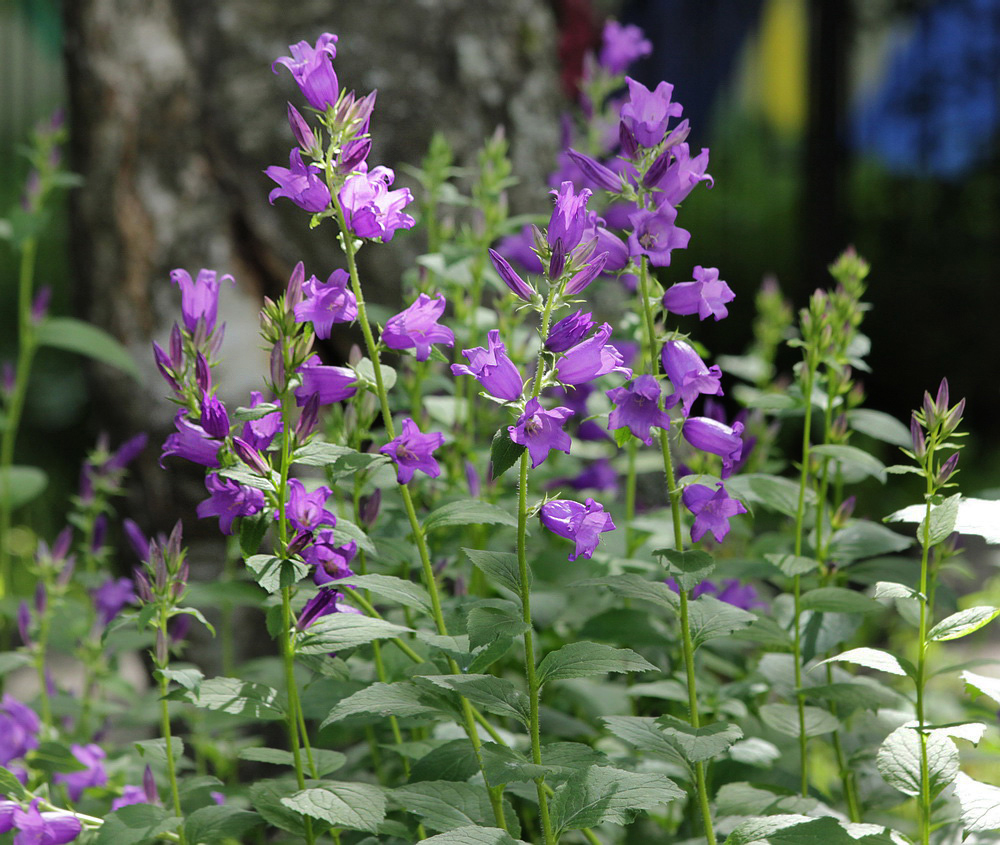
(175, 114)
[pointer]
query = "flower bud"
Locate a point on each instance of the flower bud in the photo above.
(66, 573)
(24, 622)
(203, 373)
(162, 649)
(300, 129)
(214, 417)
(293, 292)
(568, 332)
(953, 418)
(354, 355)
(843, 513)
(163, 364)
(629, 144)
(251, 457)
(41, 598)
(651, 178)
(100, 530)
(160, 573)
(370, 507)
(277, 369)
(299, 542)
(557, 262)
(917, 437)
(930, 411)
(142, 585)
(149, 786)
(941, 402)
(176, 347)
(60, 547)
(310, 417)
(40, 304)
(947, 469)
(472, 479)
(596, 172)
(172, 549)
(510, 278)
(586, 275)
(353, 153)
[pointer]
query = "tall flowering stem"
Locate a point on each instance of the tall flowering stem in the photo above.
(674, 493)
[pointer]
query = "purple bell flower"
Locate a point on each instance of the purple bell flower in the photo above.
(412, 450)
(621, 45)
(300, 183)
(130, 795)
(312, 70)
(191, 442)
(214, 417)
(743, 596)
(91, 756)
(492, 368)
(568, 332)
(326, 304)
(583, 524)
(688, 374)
(370, 208)
(18, 729)
(570, 220)
(706, 296)
(307, 511)
(300, 129)
(228, 501)
(591, 358)
(647, 113)
(200, 297)
(111, 597)
(36, 828)
(712, 510)
(259, 433)
(637, 406)
(331, 561)
(684, 172)
(333, 384)
(655, 235)
(541, 431)
(715, 437)
(418, 327)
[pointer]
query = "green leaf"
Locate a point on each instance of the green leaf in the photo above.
(20, 484)
(688, 568)
(755, 751)
(135, 823)
(963, 623)
(326, 760)
(852, 458)
(504, 453)
(603, 794)
(857, 694)
(266, 795)
(870, 658)
(980, 804)
(494, 618)
(862, 539)
(239, 698)
(644, 733)
(943, 519)
(894, 590)
(445, 805)
(11, 660)
(982, 685)
(379, 701)
(391, 588)
(468, 512)
(793, 565)
(499, 567)
(252, 531)
(248, 478)
(52, 756)
(496, 695)
(629, 586)
(452, 760)
(710, 618)
(505, 765)
(880, 426)
(784, 718)
(355, 806)
(345, 630)
(796, 829)
(155, 750)
(215, 823)
(273, 573)
(189, 678)
(10, 785)
(700, 744)
(744, 799)
(898, 761)
(474, 835)
(86, 339)
(257, 412)
(578, 660)
(771, 491)
(345, 531)
(839, 600)
(339, 461)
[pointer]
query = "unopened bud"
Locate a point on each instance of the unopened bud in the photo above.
(953, 418)
(843, 513)
(149, 786)
(657, 169)
(100, 530)
(514, 282)
(586, 275)
(142, 585)
(930, 411)
(293, 292)
(941, 402)
(172, 548)
(60, 547)
(630, 146)
(202, 373)
(353, 153)
(917, 437)
(300, 129)
(947, 469)
(556, 263)
(603, 177)
(277, 369)
(310, 417)
(159, 570)
(251, 457)
(24, 622)
(66, 573)
(41, 598)
(162, 648)
(40, 304)
(369, 507)
(299, 542)
(354, 355)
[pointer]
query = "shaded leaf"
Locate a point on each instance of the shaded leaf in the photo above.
(710, 618)
(445, 805)
(239, 698)
(852, 458)
(898, 761)
(135, 823)
(793, 565)
(273, 573)
(688, 568)
(496, 695)
(474, 835)
(215, 822)
(379, 701)
(492, 619)
(88, 340)
(784, 718)
(879, 425)
(631, 586)
(603, 794)
(355, 806)
(391, 588)
(838, 600)
(578, 660)
(700, 744)
(499, 567)
(468, 512)
(345, 630)
(504, 453)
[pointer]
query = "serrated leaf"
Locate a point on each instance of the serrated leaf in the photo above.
(854, 694)
(899, 760)
(578, 660)
(980, 803)
(688, 568)
(710, 618)
(345, 531)
(700, 744)
(391, 588)
(468, 512)
(155, 750)
(338, 631)
(838, 600)
(793, 565)
(852, 458)
(492, 619)
(239, 698)
(983, 685)
(474, 835)
(266, 795)
(500, 567)
(88, 340)
(10, 785)
(631, 586)
(355, 806)
(252, 531)
(453, 760)
(21, 484)
(879, 425)
(603, 794)
(445, 805)
(504, 453)
(135, 823)
(339, 460)
(496, 695)
(379, 701)
(273, 573)
(326, 760)
(244, 476)
(943, 519)
(505, 765)
(644, 733)
(214, 823)
(189, 678)
(963, 623)
(784, 718)
(796, 829)
(870, 658)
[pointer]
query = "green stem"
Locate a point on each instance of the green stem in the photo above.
(921, 679)
(630, 485)
(674, 493)
(175, 796)
(41, 651)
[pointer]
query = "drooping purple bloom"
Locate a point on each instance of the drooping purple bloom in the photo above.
(655, 235)
(312, 70)
(705, 296)
(322, 604)
(200, 297)
(92, 757)
(541, 431)
(568, 332)
(191, 442)
(300, 183)
(570, 219)
(621, 45)
(412, 450)
(111, 597)
(18, 729)
(418, 327)
(333, 384)
(330, 560)
(307, 511)
(715, 437)
(492, 368)
(370, 208)
(688, 374)
(36, 828)
(647, 113)
(214, 417)
(712, 510)
(259, 433)
(583, 524)
(637, 407)
(326, 304)
(743, 596)
(614, 247)
(510, 277)
(228, 501)
(591, 358)
(684, 172)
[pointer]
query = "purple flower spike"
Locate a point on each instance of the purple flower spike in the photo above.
(569, 221)
(312, 70)
(706, 296)
(299, 183)
(712, 510)
(583, 524)
(592, 358)
(510, 278)
(18, 729)
(715, 437)
(541, 431)
(228, 501)
(418, 327)
(413, 450)
(370, 208)
(568, 332)
(326, 304)
(492, 368)
(622, 45)
(199, 298)
(333, 384)
(307, 511)
(637, 406)
(688, 374)
(647, 113)
(111, 597)
(91, 756)
(191, 442)
(655, 235)
(38, 828)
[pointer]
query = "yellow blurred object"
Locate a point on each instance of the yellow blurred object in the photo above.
(776, 65)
